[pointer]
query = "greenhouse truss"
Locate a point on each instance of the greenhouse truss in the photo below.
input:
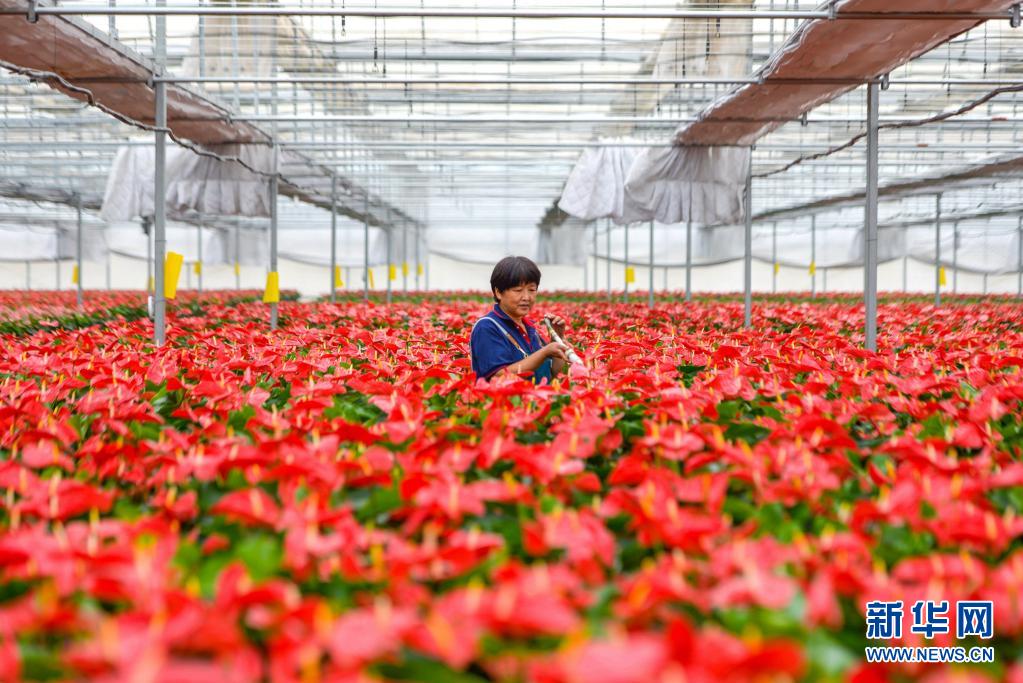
(361, 134)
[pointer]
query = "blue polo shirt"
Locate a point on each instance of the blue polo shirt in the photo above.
(492, 350)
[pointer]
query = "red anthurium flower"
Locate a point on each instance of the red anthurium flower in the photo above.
(367, 635)
(42, 454)
(249, 506)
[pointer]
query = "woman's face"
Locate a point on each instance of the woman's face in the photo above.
(517, 301)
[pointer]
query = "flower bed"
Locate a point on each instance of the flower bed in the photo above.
(338, 501)
(24, 313)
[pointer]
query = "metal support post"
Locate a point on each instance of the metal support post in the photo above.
(774, 257)
(404, 258)
(237, 253)
(390, 260)
(813, 256)
(905, 273)
(198, 234)
(607, 258)
(108, 270)
(159, 229)
(419, 256)
(274, 307)
(689, 255)
(1019, 258)
(937, 250)
(748, 249)
(955, 257)
(147, 227)
(274, 179)
(365, 248)
(870, 242)
(596, 284)
(28, 276)
(56, 263)
(78, 250)
(650, 298)
(333, 239)
(625, 295)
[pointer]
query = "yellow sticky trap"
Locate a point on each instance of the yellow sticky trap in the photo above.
(419, 269)
(630, 275)
(337, 277)
(777, 268)
(197, 267)
(941, 276)
(150, 287)
(813, 267)
(272, 293)
(404, 269)
(74, 275)
(171, 274)
(392, 271)
(237, 268)
(369, 273)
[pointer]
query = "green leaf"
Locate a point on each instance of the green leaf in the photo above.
(416, 667)
(40, 664)
(827, 657)
(261, 554)
(355, 408)
(751, 433)
(932, 428)
(688, 373)
(377, 504)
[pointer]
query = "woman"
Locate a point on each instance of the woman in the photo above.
(503, 339)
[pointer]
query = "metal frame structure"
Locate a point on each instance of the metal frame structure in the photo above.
(440, 113)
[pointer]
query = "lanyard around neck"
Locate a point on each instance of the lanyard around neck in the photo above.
(512, 339)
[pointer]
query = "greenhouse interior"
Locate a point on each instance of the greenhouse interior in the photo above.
(767, 424)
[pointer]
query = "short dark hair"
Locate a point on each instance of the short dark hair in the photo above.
(512, 271)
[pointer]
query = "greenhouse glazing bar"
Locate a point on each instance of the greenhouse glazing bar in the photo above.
(413, 12)
(429, 146)
(469, 80)
(646, 120)
(275, 11)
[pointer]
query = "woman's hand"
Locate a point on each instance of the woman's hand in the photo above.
(558, 323)
(556, 350)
